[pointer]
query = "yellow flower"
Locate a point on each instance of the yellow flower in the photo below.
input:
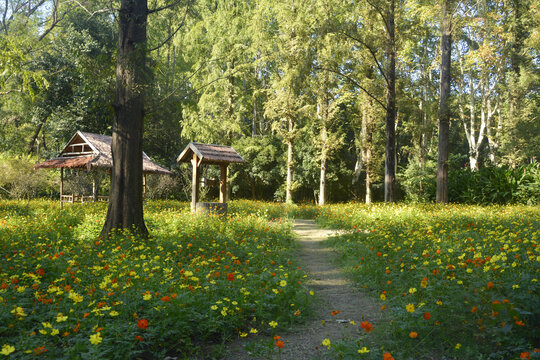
(77, 298)
(283, 283)
(253, 331)
(55, 332)
(61, 317)
(363, 350)
(383, 297)
(273, 323)
(213, 307)
(412, 290)
(327, 343)
(458, 346)
(147, 296)
(311, 292)
(114, 313)
(18, 311)
(7, 349)
(410, 308)
(243, 334)
(352, 322)
(96, 338)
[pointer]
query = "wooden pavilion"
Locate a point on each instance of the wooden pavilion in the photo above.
(91, 151)
(209, 154)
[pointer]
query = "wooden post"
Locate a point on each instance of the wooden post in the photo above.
(223, 184)
(195, 183)
(144, 184)
(94, 195)
(61, 186)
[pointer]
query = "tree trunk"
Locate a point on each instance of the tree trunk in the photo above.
(390, 156)
(444, 109)
(290, 148)
(322, 185)
(125, 209)
(367, 143)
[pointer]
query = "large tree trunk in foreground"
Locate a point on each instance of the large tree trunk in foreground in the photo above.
(444, 110)
(126, 198)
(390, 157)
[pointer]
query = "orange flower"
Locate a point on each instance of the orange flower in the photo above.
(366, 325)
(230, 276)
(413, 334)
(280, 344)
(520, 323)
(427, 315)
(490, 285)
(387, 356)
(165, 298)
(525, 355)
(39, 350)
(142, 324)
(474, 309)
(138, 337)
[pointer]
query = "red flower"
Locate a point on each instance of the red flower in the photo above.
(427, 316)
(230, 276)
(165, 298)
(40, 271)
(140, 338)
(366, 325)
(142, 324)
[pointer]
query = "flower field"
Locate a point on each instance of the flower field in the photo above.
(454, 282)
(198, 282)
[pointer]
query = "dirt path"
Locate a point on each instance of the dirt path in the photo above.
(333, 291)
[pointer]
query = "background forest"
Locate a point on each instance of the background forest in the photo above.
(298, 88)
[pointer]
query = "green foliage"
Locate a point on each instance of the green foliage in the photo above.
(496, 185)
(463, 278)
(18, 179)
(198, 281)
(419, 182)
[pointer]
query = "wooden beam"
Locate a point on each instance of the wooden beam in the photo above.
(223, 184)
(144, 184)
(61, 186)
(195, 182)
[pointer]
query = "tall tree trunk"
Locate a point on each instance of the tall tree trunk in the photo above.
(444, 109)
(322, 184)
(290, 149)
(125, 209)
(367, 143)
(390, 156)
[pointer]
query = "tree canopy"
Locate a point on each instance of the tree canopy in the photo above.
(317, 95)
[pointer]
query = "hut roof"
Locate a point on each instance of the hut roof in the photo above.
(87, 150)
(210, 154)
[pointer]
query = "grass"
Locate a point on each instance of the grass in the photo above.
(455, 282)
(197, 283)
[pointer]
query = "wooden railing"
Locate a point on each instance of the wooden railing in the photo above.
(81, 199)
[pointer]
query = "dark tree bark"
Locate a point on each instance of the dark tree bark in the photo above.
(125, 209)
(390, 156)
(444, 110)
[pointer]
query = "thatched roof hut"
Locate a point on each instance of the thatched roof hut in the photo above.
(93, 151)
(211, 154)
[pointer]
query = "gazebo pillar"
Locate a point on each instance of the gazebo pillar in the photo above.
(195, 183)
(61, 186)
(223, 184)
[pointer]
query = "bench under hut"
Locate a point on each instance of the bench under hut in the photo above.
(90, 151)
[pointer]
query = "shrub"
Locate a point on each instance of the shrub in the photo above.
(19, 180)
